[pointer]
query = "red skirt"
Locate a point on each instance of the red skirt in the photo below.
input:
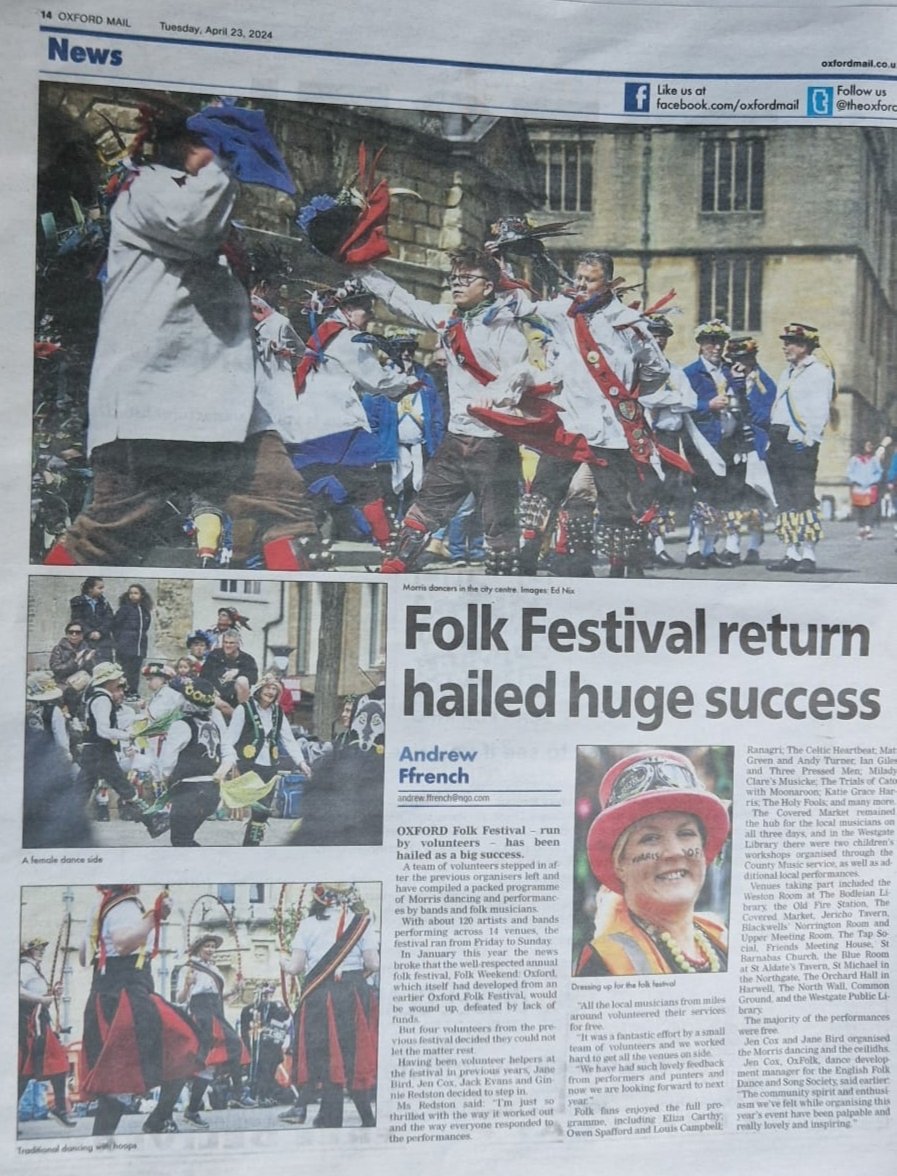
(336, 1035)
(41, 1053)
(133, 1039)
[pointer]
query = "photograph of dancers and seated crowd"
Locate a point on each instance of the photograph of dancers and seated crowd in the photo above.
(157, 1009)
(301, 336)
(189, 712)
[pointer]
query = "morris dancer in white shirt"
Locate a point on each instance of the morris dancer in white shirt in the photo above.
(133, 1041)
(602, 360)
(486, 363)
(202, 990)
(257, 736)
(173, 382)
(798, 420)
(42, 1056)
(668, 408)
(328, 432)
(335, 949)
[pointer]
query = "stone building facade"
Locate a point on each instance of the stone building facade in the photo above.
(759, 226)
(285, 621)
(463, 170)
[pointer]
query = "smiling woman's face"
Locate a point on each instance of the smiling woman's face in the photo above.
(662, 864)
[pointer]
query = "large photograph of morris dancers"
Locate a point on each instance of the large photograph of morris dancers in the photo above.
(190, 712)
(152, 1010)
(301, 336)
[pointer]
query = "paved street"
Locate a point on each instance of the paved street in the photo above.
(842, 559)
(116, 834)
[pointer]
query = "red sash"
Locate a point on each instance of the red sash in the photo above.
(315, 349)
(623, 400)
(459, 345)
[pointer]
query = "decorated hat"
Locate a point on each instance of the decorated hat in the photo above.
(201, 940)
(41, 687)
(352, 292)
(712, 329)
(349, 225)
(401, 336)
(267, 680)
(79, 681)
(800, 333)
(659, 324)
(33, 944)
(641, 785)
(742, 347)
(108, 671)
(199, 691)
(331, 893)
(199, 635)
(157, 669)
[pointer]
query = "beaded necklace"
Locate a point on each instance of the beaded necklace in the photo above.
(683, 963)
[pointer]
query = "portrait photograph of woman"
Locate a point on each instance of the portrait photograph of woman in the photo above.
(652, 860)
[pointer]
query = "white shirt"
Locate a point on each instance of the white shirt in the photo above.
(101, 709)
(123, 917)
(30, 978)
(275, 397)
(204, 983)
(177, 738)
(627, 345)
(804, 398)
(174, 354)
(316, 937)
(163, 702)
(330, 401)
(671, 401)
(287, 741)
(499, 346)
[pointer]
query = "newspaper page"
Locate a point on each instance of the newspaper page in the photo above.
(449, 569)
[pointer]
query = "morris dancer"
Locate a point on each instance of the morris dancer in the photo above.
(190, 758)
(202, 989)
(668, 410)
(133, 1040)
(99, 761)
(331, 441)
(799, 416)
(257, 735)
(602, 359)
(336, 949)
(42, 1056)
(172, 387)
(487, 362)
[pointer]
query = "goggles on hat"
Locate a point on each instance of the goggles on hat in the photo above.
(651, 775)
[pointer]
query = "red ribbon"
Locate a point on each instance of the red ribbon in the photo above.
(314, 351)
(459, 345)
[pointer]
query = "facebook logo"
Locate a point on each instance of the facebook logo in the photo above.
(820, 101)
(637, 97)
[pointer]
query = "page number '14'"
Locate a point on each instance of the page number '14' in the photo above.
(46, 14)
